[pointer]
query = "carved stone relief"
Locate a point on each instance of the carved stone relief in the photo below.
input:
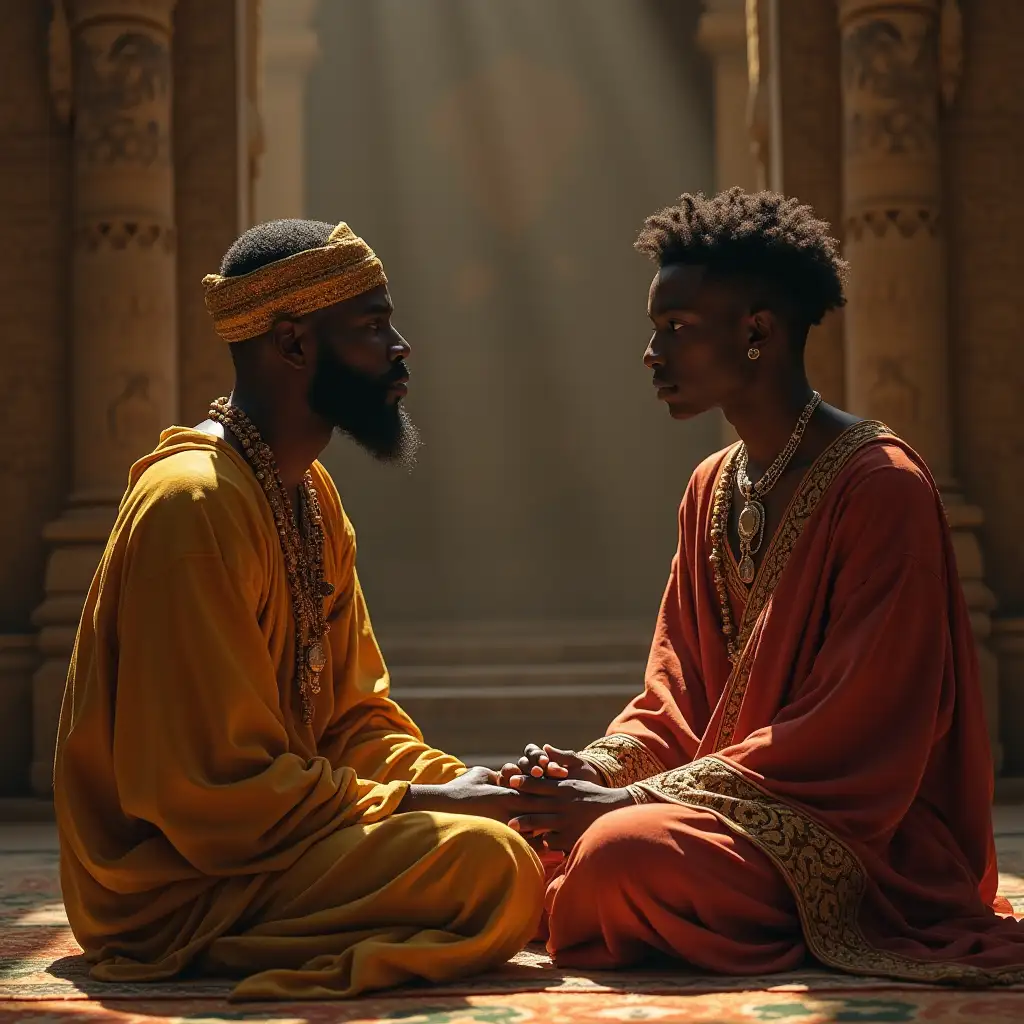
(123, 234)
(133, 417)
(893, 397)
(890, 70)
(908, 221)
(117, 86)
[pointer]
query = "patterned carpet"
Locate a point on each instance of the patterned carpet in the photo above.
(44, 980)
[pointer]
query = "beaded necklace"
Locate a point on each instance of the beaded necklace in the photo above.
(302, 543)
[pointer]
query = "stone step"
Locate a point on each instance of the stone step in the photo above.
(514, 644)
(485, 714)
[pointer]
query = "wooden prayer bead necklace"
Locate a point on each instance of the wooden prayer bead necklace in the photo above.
(302, 544)
(751, 519)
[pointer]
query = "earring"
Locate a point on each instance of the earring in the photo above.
(753, 352)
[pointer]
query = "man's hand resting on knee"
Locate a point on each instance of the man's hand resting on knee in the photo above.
(552, 763)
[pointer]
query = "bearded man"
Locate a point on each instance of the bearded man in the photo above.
(235, 791)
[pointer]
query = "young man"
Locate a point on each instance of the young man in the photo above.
(807, 772)
(235, 791)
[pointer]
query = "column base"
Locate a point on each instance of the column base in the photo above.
(1008, 642)
(965, 521)
(18, 659)
(77, 540)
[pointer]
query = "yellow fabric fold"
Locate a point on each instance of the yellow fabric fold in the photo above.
(188, 790)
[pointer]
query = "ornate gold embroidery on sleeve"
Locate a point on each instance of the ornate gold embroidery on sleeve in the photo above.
(640, 795)
(826, 877)
(620, 760)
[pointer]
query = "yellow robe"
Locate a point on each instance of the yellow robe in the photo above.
(203, 826)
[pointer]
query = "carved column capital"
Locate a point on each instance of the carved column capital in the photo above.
(890, 65)
(158, 13)
(121, 98)
(850, 10)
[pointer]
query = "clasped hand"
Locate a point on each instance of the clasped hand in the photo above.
(570, 807)
(551, 811)
(572, 793)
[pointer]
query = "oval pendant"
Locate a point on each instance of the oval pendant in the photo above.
(751, 518)
(326, 588)
(747, 569)
(316, 659)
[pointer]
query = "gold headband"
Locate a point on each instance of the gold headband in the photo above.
(247, 306)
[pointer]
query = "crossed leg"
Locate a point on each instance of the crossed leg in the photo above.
(663, 880)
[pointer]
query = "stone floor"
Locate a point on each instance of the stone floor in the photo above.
(1008, 820)
(17, 838)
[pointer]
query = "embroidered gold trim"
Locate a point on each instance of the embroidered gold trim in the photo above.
(826, 877)
(620, 760)
(639, 795)
(815, 483)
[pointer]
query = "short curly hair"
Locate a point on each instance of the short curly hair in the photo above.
(275, 240)
(762, 235)
(260, 246)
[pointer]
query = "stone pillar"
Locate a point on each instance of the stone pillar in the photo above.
(792, 115)
(984, 164)
(759, 17)
(897, 348)
(288, 48)
(722, 34)
(34, 222)
(806, 147)
(124, 331)
(213, 116)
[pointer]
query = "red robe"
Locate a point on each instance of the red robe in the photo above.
(830, 794)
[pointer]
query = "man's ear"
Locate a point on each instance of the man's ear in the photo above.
(291, 340)
(762, 327)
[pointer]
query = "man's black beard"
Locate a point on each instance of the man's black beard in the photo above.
(361, 407)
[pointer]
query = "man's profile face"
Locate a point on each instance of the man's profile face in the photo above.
(361, 377)
(697, 353)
